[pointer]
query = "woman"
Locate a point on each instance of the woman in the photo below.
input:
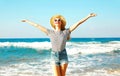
(58, 38)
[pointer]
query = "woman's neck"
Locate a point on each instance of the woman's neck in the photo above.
(57, 29)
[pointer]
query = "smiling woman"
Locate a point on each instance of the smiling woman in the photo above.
(86, 56)
(58, 38)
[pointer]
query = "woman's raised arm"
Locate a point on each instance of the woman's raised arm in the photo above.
(43, 29)
(74, 26)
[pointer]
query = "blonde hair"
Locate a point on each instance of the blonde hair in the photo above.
(63, 21)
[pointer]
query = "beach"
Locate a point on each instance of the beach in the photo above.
(87, 57)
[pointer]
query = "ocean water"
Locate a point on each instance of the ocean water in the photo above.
(87, 57)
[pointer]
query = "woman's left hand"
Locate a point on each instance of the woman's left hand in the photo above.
(92, 14)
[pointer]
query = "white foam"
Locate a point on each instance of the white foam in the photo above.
(37, 69)
(103, 72)
(36, 45)
(25, 69)
(89, 48)
(72, 47)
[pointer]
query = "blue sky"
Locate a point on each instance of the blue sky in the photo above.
(105, 24)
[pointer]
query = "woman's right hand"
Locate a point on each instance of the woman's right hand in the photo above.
(24, 20)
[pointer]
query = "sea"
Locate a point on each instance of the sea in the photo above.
(87, 57)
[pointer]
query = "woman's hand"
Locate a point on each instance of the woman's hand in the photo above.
(24, 20)
(92, 15)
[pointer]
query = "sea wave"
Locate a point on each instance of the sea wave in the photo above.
(72, 47)
(36, 45)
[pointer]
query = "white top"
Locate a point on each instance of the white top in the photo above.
(58, 39)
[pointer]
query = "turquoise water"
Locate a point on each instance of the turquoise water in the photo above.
(87, 57)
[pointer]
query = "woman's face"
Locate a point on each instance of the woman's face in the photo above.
(57, 22)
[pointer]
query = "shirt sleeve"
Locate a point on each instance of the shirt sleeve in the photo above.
(68, 31)
(48, 32)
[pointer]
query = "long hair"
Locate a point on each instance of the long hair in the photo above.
(63, 21)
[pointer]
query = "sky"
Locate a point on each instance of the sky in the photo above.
(105, 24)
